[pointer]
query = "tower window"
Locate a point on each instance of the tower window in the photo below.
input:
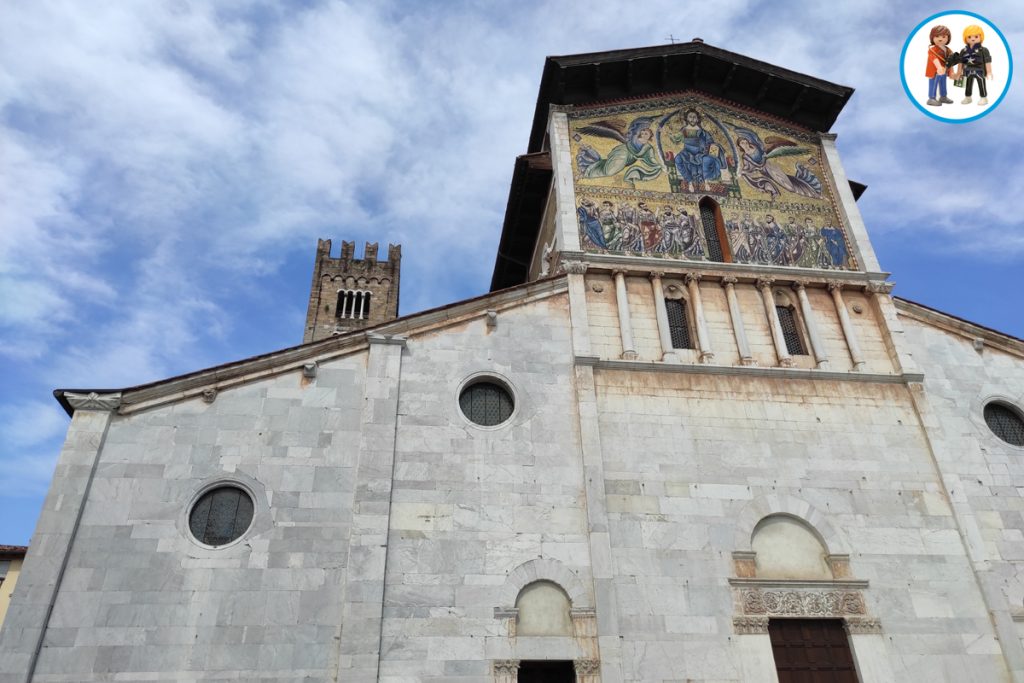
(714, 231)
(353, 304)
(678, 325)
(787, 320)
(1005, 422)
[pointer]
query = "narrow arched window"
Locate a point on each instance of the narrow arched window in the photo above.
(714, 231)
(366, 306)
(678, 324)
(787, 320)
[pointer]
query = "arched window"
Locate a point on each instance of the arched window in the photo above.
(788, 322)
(353, 304)
(678, 323)
(543, 610)
(714, 231)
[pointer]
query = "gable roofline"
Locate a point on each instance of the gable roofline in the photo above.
(956, 325)
(234, 373)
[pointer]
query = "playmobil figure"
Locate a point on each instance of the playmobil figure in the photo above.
(975, 63)
(938, 56)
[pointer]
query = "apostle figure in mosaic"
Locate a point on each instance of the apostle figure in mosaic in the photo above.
(649, 227)
(835, 246)
(701, 159)
(609, 224)
(635, 155)
(587, 215)
(630, 237)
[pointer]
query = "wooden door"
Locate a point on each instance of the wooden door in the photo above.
(812, 651)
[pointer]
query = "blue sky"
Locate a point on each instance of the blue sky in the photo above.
(167, 167)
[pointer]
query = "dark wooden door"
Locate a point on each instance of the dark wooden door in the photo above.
(811, 651)
(546, 672)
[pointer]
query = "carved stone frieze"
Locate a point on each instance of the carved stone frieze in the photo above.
(750, 625)
(93, 401)
(793, 603)
(880, 287)
(586, 667)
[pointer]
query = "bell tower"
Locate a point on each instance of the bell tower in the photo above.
(351, 294)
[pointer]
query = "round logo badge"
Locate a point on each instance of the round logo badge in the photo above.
(956, 66)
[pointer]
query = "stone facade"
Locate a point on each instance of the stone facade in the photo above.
(393, 538)
(349, 294)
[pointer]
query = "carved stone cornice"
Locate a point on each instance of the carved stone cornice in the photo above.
(746, 626)
(506, 667)
(764, 282)
(93, 401)
(880, 287)
(858, 626)
(573, 267)
(586, 667)
(802, 603)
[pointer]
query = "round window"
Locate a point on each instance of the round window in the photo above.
(221, 515)
(486, 403)
(1005, 422)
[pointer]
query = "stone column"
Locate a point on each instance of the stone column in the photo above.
(746, 358)
(625, 323)
(706, 354)
(817, 346)
(506, 670)
(835, 288)
(765, 285)
(668, 352)
(363, 606)
(28, 616)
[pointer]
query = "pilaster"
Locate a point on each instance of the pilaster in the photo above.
(856, 230)
(566, 226)
(363, 604)
(53, 541)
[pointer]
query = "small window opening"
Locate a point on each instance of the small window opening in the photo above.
(678, 325)
(486, 403)
(353, 304)
(787, 320)
(714, 231)
(221, 515)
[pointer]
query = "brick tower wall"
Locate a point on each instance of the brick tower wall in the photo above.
(363, 277)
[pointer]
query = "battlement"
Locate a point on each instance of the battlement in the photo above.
(348, 249)
(349, 293)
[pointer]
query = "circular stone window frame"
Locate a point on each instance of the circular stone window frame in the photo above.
(988, 436)
(518, 399)
(260, 510)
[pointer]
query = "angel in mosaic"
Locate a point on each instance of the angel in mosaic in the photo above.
(635, 155)
(758, 169)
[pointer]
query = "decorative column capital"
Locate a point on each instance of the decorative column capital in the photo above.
(857, 626)
(586, 667)
(880, 287)
(834, 285)
(506, 667)
(656, 275)
(573, 267)
(747, 626)
(93, 401)
(730, 280)
(765, 282)
(620, 271)
(691, 277)
(799, 285)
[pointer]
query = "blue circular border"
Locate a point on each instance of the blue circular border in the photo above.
(903, 76)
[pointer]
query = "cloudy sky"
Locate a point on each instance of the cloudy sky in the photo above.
(167, 166)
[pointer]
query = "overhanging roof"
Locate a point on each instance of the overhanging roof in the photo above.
(620, 74)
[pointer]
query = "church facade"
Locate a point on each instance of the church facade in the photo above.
(689, 435)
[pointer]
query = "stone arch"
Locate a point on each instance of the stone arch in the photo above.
(546, 570)
(766, 506)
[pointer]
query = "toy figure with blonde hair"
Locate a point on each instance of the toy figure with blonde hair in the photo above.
(975, 63)
(938, 56)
